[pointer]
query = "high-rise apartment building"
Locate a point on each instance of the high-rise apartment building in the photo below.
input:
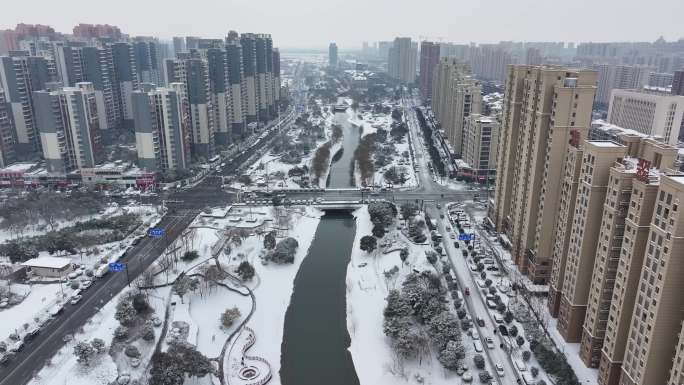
(456, 95)
(651, 112)
(569, 184)
(217, 65)
(598, 158)
(480, 141)
(248, 43)
(69, 131)
(429, 57)
(161, 128)
(238, 86)
(489, 61)
(660, 79)
(678, 83)
(194, 73)
(20, 76)
(615, 230)
(657, 315)
(126, 75)
(544, 108)
(612, 77)
(533, 56)
(147, 53)
(332, 55)
(401, 60)
(7, 141)
(178, 45)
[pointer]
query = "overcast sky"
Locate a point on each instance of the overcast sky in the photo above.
(314, 23)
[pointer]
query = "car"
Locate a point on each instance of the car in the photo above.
(480, 322)
(31, 333)
(5, 358)
(478, 346)
(475, 335)
(17, 346)
(490, 342)
(75, 274)
(86, 284)
(499, 370)
(498, 319)
(467, 291)
(452, 235)
(467, 377)
(76, 299)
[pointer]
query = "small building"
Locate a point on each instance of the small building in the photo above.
(51, 267)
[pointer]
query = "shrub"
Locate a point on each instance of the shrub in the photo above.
(378, 231)
(121, 333)
(190, 255)
(148, 331)
(520, 340)
(245, 270)
(284, 251)
(368, 243)
(140, 303)
(534, 371)
(132, 351)
(526, 355)
(230, 316)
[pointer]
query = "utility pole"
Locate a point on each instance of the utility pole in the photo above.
(128, 278)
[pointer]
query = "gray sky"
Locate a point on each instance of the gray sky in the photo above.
(314, 23)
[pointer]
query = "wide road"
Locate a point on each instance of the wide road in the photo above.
(52, 336)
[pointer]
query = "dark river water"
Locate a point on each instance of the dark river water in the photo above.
(341, 170)
(315, 339)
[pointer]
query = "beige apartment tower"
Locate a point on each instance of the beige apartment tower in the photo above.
(657, 315)
(599, 157)
(677, 371)
(569, 183)
(650, 153)
(545, 107)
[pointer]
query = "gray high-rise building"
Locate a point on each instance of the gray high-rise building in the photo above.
(20, 76)
(69, 131)
(7, 141)
(194, 74)
(217, 65)
(238, 86)
(126, 74)
(161, 125)
(332, 55)
(248, 43)
(147, 61)
(178, 45)
(401, 60)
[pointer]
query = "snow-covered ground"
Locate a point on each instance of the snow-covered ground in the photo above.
(374, 358)
(201, 310)
(371, 123)
(264, 172)
(40, 297)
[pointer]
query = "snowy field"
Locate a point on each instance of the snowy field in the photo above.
(195, 317)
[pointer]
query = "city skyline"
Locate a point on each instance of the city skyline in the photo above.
(503, 21)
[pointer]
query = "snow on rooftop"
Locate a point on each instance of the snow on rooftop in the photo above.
(19, 167)
(604, 143)
(48, 262)
(677, 178)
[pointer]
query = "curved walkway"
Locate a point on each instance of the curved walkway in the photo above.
(244, 369)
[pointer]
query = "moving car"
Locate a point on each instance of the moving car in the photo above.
(490, 342)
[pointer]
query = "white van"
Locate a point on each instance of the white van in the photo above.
(520, 365)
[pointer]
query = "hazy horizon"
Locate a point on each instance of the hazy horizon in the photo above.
(308, 24)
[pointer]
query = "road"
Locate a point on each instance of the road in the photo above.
(475, 303)
(51, 338)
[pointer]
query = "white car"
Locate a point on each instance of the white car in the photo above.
(499, 370)
(86, 284)
(475, 335)
(490, 342)
(75, 299)
(467, 377)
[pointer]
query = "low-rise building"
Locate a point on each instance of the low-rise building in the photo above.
(49, 267)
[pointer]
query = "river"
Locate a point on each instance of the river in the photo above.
(342, 169)
(315, 343)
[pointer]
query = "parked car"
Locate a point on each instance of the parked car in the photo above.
(480, 322)
(76, 299)
(499, 370)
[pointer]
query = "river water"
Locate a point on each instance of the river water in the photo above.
(341, 170)
(315, 339)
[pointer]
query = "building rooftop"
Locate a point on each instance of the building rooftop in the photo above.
(48, 262)
(677, 178)
(604, 143)
(19, 167)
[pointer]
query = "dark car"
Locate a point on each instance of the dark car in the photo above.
(503, 330)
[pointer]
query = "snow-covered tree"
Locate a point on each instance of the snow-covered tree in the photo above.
(403, 255)
(98, 344)
(230, 316)
(245, 270)
(270, 241)
(451, 356)
(84, 352)
(444, 328)
(125, 312)
(479, 361)
(368, 243)
(148, 331)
